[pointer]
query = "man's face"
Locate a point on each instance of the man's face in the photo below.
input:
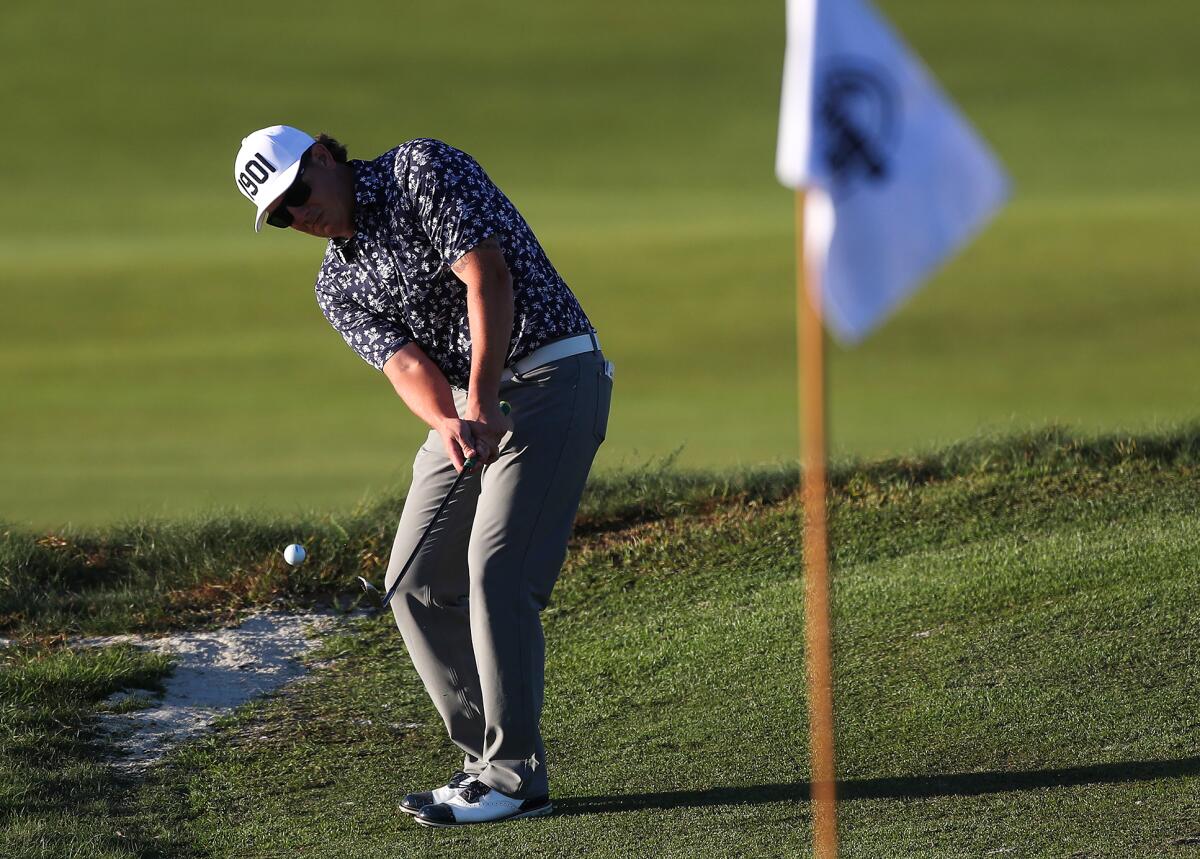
(329, 209)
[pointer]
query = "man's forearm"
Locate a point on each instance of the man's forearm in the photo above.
(490, 311)
(421, 385)
(489, 316)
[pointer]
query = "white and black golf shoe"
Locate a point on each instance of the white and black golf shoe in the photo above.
(414, 802)
(478, 803)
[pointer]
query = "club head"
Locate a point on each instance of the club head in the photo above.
(370, 589)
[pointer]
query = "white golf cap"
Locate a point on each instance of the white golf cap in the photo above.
(267, 164)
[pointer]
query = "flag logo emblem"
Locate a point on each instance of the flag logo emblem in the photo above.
(857, 107)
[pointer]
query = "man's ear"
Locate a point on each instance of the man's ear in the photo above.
(321, 155)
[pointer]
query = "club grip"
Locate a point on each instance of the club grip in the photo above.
(505, 409)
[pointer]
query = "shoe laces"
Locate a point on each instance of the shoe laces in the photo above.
(474, 792)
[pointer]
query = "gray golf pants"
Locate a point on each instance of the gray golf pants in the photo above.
(469, 607)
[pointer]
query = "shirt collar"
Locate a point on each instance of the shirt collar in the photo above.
(368, 190)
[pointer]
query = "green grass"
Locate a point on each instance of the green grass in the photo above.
(1015, 662)
(157, 359)
(58, 798)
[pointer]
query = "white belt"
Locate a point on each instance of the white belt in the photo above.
(555, 351)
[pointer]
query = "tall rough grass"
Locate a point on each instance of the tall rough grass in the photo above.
(145, 575)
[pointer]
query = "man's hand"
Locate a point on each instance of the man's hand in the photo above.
(488, 427)
(459, 439)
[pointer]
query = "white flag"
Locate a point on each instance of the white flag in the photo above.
(898, 178)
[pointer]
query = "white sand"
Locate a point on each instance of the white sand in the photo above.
(214, 673)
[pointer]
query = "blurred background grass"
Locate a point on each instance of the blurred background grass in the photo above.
(156, 357)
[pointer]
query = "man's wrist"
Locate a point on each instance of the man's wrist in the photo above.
(480, 404)
(483, 390)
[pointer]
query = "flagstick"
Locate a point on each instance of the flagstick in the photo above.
(811, 355)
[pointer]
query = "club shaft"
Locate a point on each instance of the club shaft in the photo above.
(428, 529)
(467, 466)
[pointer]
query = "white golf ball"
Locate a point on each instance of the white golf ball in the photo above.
(294, 554)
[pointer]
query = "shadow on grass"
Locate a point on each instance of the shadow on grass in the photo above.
(911, 787)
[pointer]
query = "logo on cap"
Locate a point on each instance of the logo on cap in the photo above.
(254, 173)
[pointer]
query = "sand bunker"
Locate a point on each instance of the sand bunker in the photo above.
(214, 673)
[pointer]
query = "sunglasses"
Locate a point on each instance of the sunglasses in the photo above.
(297, 194)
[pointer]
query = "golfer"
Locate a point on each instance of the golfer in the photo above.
(432, 276)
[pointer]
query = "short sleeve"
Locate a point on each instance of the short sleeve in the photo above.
(454, 201)
(373, 338)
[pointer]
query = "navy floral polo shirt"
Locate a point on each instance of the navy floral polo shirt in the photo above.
(418, 208)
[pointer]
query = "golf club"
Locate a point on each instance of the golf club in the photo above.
(505, 408)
